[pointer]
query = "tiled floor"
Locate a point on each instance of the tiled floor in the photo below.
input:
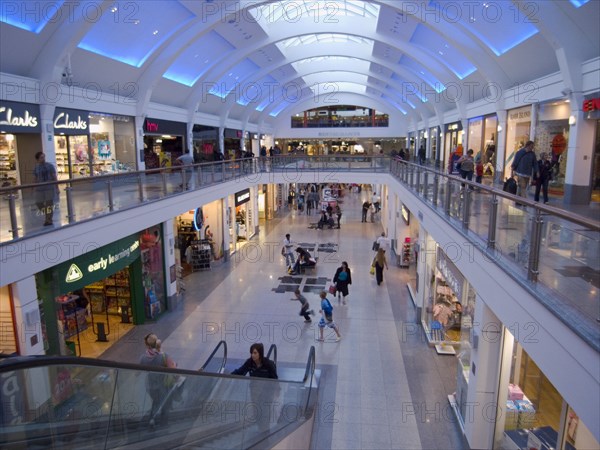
(381, 386)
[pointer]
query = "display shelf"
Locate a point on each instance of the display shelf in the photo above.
(200, 255)
(8, 163)
(405, 256)
(73, 318)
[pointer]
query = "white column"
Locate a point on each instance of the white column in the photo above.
(500, 145)
(139, 139)
(47, 125)
(169, 260)
(483, 376)
(27, 317)
(222, 140)
(578, 183)
(226, 226)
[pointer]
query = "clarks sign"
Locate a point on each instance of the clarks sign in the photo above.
(19, 117)
(63, 120)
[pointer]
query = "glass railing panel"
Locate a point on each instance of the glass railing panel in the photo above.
(59, 404)
(32, 208)
(479, 214)
(79, 406)
(573, 252)
(513, 235)
(88, 198)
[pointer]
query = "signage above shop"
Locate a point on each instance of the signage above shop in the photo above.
(230, 133)
(98, 264)
(19, 117)
(591, 105)
(70, 121)
(159, 126)
(242, 197)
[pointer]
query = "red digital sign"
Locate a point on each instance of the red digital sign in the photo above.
(591, 105)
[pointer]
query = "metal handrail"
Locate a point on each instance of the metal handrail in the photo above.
(222, 368)
(272, 349)
(310, 364)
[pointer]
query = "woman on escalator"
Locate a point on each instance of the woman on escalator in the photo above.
(257, 365)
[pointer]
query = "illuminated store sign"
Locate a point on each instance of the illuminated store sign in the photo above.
(242, 197)
(19, 117)
(69, 121)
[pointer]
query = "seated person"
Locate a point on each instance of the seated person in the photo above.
(304, 260)
(323, 220)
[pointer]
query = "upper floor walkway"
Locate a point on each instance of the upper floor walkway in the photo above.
(552, 253)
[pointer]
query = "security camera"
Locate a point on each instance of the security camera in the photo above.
(566, 92)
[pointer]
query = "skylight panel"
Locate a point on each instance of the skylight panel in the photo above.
(130, 31)
(359, 64)
(443, 51)
(499, 25)
(30, 16)
(578, 3)
(420, 71)
(293, 11)
(337, 87)
(195, 60)
(278, 109)
(324, 38)
(231, 80)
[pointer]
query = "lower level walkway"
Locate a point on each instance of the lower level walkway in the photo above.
(382, 386)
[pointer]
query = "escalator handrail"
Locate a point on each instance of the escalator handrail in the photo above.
(272, 349)
(310, 364)
(222, 368)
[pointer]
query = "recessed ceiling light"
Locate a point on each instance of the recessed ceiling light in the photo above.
(155, 32)
(113, 9)
(136, 22)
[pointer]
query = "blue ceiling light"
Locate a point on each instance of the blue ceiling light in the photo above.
(193, 62)
(443, 51)
(578, 3)
(499, 25)
(145, 26)
(30, 16)
(278, 109)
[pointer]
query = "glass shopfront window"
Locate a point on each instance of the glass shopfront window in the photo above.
(488, 157)
(552, 138)
(112, 143)
(535, 410)
(518, 132)
(153, 272)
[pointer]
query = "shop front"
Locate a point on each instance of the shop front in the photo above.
(72, 144)
(434, 156)
(20, 140)
(232, 141)
(449, 302)
(91, 301)
(164, 142)
(199, 237)
(206, 143)
(534, 414)
(552, 138)
(241, 218)
(591, 109)
(453, 146)
(518, 132)
(482, 140)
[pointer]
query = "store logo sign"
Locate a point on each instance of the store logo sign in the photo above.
(591, 105)
(151, 126)
(7, 118)
(62, 121)
(73, 274)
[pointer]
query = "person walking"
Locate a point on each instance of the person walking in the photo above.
(157, 385)
(327, 318)
(185, 161)
(421, 155)
(288, 252)
(379, 262)
(45, 172)
(305, 310)
(524, 167)
(365, 209)
(467, 166)
(342, 279)
(545, 175)
(376, 201)
(338, 212)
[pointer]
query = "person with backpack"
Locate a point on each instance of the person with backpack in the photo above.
(327, 319)
(467, 166)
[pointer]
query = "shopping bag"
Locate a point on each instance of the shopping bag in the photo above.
(332, 289)
(372, 270)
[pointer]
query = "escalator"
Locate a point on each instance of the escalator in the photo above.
(81, 403)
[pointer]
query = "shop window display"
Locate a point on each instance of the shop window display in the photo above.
(153, 273)
(534, 409)
(8, 160)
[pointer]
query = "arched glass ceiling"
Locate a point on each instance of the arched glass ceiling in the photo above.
(511, 25)
(324, 38)
(294, 10)
(358, 64)
(38, 14)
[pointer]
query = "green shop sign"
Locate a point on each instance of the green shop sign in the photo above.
(97, 264)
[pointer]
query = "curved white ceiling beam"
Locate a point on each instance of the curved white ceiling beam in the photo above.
(301, 53)
(327, 69)
(50, 62)
(225, 63)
